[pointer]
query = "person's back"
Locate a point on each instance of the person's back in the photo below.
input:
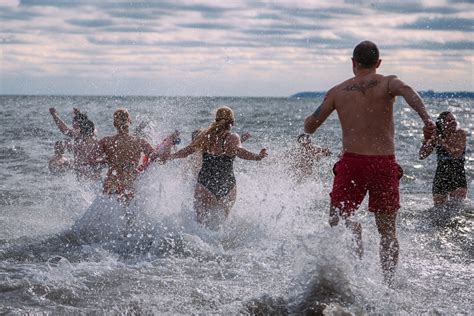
(365, 109)
(122, 154)
(368, 165)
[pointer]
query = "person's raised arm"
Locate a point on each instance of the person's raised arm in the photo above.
(233, 147)
(60, 123)
(184, 152)
(429, 142)
(399, 88)
(312, 122)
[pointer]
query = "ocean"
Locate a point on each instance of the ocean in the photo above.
(276, 253)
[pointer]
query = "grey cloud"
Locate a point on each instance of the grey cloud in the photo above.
(207, 26)
(53, 3)
(454, 45)
(410, 7)
(90, 22)
(7, 13)
(429, 45)
(129, 29)
(10, 40)
(448, 24)
(138, 14)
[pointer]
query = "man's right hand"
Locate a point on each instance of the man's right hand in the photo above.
(429, 130)
(263, 153)
(52, 111)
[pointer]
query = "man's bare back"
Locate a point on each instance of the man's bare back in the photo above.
(364, 105)
(365, 109)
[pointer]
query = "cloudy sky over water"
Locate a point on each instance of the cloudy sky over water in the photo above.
(227, 48)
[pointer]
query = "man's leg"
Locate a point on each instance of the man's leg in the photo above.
(386, 225)
(355, 227)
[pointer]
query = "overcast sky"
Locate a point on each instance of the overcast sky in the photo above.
(227, 48)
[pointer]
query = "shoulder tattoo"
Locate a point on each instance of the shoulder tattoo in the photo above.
(362, 87)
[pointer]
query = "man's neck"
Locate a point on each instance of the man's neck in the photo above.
(361, 72)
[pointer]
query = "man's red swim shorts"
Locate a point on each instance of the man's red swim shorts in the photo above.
(355, 175)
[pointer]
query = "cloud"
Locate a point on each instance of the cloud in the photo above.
(90, 22)
(260, 40)
(410, 7)
(8, 13)
(441, 23)
(207, 26)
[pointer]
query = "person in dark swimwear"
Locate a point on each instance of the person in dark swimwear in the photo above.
(216, 191)
(450, 144)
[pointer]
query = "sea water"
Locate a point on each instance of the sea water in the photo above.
(276, 254)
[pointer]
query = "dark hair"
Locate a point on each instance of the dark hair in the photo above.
(80, 118)
(441, 122)
(59, 147)
(195, 133)
(87, 128)
(302, 137)
(366, 54)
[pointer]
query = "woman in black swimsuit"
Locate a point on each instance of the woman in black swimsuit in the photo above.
(215, 191)
(450, 143)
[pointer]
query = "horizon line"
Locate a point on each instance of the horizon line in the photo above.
(203, 96)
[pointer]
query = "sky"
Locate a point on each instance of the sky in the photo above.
(228, 48)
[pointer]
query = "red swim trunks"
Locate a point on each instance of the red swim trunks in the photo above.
(355, 175)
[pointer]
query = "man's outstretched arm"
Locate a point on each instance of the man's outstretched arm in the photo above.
(399, 88)
(312, 122)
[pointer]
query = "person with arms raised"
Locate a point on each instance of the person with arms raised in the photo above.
(450, 144)
(216, 190)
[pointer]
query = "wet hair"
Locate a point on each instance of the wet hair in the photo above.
(87, 128)
(59, 147)
(196, 133)
(122, 119)
(302, 137)
(224, 120)
(366, 54)
(441, 122)
(80, 118)
(140, 129)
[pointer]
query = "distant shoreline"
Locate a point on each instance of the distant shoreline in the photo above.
(299, 95)
(424, 94)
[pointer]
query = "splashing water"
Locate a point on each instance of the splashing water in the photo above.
(65, 248)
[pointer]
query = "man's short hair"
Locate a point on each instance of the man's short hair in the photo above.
(366, 54)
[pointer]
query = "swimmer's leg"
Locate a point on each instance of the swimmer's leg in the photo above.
(389, 247)
(355, 228)
(459, 194)
(227, 202)
(204, 200)
(439, 199)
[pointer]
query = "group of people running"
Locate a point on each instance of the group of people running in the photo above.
(367, 165)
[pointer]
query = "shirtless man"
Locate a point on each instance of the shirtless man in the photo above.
(85, 145)
(364, 105)
(122, 154)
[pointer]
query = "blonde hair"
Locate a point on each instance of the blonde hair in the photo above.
(223, 122)
(122, 119)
